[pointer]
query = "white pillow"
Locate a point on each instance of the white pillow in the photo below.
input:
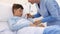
(5, 11)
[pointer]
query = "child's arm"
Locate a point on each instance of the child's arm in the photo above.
(11, 22)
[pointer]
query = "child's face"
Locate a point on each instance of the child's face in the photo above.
(18, 12)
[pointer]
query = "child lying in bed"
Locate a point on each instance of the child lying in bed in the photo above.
(17, 11)
(17, 21)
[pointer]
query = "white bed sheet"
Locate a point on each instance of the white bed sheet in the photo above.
(31, 30)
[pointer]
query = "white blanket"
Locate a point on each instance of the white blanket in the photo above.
(31, 30)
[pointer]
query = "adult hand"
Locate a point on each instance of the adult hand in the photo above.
(37, 22)
(41, 25)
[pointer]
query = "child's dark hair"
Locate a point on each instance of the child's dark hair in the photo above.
(16, 6)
